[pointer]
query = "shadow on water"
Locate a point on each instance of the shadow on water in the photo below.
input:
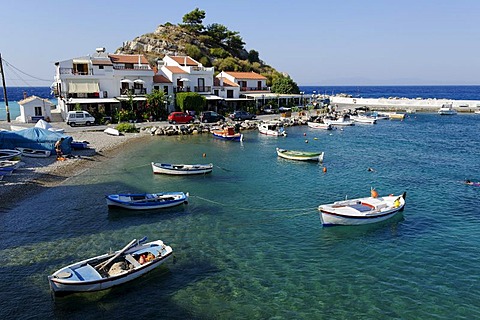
(161, 284)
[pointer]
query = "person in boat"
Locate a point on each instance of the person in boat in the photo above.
(58, 147)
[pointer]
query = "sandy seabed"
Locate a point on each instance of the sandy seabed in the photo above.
(36, 174)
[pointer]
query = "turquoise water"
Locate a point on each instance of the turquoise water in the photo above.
(249, 245)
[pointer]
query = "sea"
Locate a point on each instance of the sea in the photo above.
(249, 244)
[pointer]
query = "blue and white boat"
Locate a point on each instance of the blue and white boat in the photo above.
(181, 169)
(147, 201)
(228, 134)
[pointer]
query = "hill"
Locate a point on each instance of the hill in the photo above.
(212, 45)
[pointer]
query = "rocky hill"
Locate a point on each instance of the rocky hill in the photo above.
(212, 46)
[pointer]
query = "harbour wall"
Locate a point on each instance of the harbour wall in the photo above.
(404, 104)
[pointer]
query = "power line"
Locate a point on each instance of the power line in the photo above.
(29, 75)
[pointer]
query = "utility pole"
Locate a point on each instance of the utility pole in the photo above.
(4, 89)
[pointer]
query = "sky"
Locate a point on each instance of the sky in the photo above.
(316, 42)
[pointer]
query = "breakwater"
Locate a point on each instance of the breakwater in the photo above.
(404, 104)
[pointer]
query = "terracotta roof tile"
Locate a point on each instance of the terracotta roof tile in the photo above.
(182, 59)
(102, 62)
(174, 69)
(246, 75)
(127, 58)
(158, 78)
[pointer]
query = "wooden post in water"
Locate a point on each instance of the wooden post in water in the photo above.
(4, 89)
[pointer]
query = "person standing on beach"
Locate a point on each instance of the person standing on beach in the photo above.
(58, 147)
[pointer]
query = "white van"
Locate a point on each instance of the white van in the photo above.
(79, 117)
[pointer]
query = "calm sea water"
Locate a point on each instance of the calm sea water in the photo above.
(249, 245)
(15, 94)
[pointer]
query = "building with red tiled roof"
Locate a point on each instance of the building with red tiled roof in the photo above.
(247, 81)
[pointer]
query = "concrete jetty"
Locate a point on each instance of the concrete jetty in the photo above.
(403, 104)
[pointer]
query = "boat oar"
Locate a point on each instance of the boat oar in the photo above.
(106, 263)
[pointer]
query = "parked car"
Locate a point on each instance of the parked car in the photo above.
(242, 115)
(269, 110)
(211, 116)
(79, 117)
(180, 117)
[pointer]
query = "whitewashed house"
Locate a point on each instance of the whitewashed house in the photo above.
(33, 109)
(101, 81)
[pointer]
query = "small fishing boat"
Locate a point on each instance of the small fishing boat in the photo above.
(300, 155)
(147, 201)
(343, 121)
(34, 153)
(362, 210)
(272, 129)
(79, 145)
(447, 109)
(9, 165)
(110, 269)
(228, 134)
(181, 169)
(9, 154)
(112, 131)
(364, 119)
(319, 125)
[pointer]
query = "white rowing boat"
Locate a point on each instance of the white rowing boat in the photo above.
(181, 169)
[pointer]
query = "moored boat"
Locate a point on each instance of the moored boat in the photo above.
(181, 169)
(447, 109)
(343, 121)
(147, 201)
(362, 210)
(110, 269)
(34, 153)
(364, 119)
(300, 155)
(319, 125)
(228, 134)
(272, 129)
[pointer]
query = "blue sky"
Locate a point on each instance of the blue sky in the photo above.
(344, 42)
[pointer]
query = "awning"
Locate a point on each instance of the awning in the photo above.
(213, 97)
(126, 81)
(134, 98)
(184, 80)
(237, 99)
(83, 87)
(139, 81)
(80, 61)
(92, 100)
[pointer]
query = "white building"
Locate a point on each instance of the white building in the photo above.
(99, 82)
(33, 109)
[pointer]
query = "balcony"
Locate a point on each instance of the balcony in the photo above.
(134, 67)
(254, 89)
(133, 92)
(72, 71)
(204, 89)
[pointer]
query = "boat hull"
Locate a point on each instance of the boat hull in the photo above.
(181, 169)
(300, 155)
(9, 154)
(234, 137)
(361, 211)
(83, 277)
(318, 125)
(147, 201)
(34, 153)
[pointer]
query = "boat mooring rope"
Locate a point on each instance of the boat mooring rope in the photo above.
(256, 209)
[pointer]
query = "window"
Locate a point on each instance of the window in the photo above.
(229, 93)
(165, 89)
(38, 111)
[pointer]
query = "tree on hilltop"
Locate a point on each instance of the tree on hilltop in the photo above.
(193, 20)
(284, 85)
